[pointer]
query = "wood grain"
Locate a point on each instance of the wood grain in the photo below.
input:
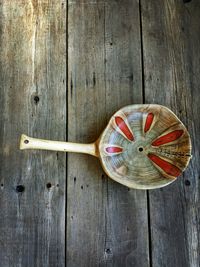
(109, 66)
(33, 85)
(107, 223)
(171, 39)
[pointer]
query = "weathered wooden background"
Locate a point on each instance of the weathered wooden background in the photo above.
(65, 68)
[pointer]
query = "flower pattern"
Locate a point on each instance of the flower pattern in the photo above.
(145, 145)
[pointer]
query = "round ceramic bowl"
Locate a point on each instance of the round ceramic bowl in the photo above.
(145, 146)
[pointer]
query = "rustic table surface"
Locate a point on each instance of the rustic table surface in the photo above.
(65, 68)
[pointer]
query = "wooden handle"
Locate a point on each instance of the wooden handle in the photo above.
(27, 142)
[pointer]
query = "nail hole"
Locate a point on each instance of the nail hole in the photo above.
(26, 141)
(81, 187)
(1, 185)
(48, 185)
(36, 99)
(187, 182)
(108, 250)
(57, 185)
(140, 149)
(20, 188)
(74, 179)
(111, 43)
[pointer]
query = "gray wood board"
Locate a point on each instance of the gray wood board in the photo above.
(171, 41)
(32, 101)
(106, 222)
(109, 66)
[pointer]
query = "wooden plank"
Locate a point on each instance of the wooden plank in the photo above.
(33, 101)
(107, 222)
(171, 39)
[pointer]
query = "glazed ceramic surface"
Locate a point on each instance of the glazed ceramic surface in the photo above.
(144, 146)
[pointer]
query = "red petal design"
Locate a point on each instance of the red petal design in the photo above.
(148, 122)
(168, 138)
(114, 149)
(124, 128)
(167, 167)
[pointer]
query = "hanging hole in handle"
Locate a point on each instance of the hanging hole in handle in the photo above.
(26, 141)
